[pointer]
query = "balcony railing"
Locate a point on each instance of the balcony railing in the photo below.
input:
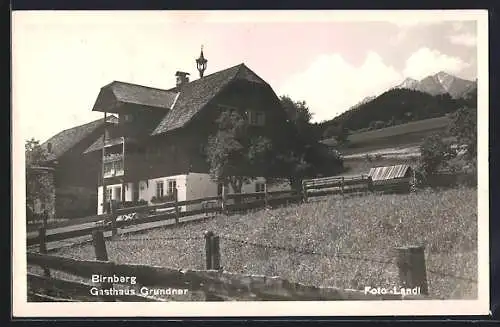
(114, 166)
(114, 172)
(113, 157)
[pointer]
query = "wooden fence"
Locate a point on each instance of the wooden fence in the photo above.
(154, 213)
(207, 207)
(215, 284)
(336, 185)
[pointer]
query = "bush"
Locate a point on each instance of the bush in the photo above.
(165, 198)
(435, 154)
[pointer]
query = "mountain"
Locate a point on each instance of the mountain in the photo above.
(398, 106)
(408, 83)
(365, 100)
(440, 83)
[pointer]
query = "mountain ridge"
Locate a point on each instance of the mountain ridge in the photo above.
(440, 83)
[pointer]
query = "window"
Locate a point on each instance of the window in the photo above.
(109, 193)
(256, 118)
(107, 168)
(260, 187)
(230, 109)
(172, 187)
(159, 189)
(119, 165)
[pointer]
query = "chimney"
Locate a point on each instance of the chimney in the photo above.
(181, 78)
(49, 147)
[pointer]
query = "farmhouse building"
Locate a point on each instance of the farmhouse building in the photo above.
(156, 147)
(75, 174)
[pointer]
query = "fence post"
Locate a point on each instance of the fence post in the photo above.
(176, 206)
(224, 199)
(215, 252)
(212, 251)
(412, 269)
(208, 249)
(114, 230)
(101, 254)
(304, 191)
(265, 194)
(342, 185)
(43, 247)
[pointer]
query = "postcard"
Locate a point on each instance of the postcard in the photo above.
(250, 163)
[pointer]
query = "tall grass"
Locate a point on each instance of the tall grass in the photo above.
(355, 238)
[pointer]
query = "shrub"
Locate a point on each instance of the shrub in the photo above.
(435, 154)
(464, 128)
(165, 198)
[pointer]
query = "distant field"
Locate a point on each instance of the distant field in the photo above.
(356, 239)
(405, 134)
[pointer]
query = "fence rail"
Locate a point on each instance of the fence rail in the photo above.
(231, 203)
(216, 284)
(154, 212)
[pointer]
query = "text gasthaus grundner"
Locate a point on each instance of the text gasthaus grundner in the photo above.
(145, 291)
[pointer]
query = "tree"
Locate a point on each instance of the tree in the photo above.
(39, 186)
(464, 128)
(302, 155)
(236, 156)
(300, 116)
(342, 135)
(288, 149)
(435, 153)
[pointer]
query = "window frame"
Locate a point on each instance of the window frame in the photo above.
(170, 188)
(160, 186)
(253, 117)
(260, 187)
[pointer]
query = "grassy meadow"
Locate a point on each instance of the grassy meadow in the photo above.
(356, 238)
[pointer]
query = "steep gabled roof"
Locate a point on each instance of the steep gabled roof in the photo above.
(181, 104)
(97, 145)
(195, 95)
(122, 92)
(67, 139)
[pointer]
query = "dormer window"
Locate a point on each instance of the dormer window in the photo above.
(256, 118)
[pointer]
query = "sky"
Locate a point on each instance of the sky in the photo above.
(331, 60)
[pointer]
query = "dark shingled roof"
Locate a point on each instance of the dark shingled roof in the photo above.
(65, 140)
(197, 94)
(137, 94)
(181, 103)
(97, 145)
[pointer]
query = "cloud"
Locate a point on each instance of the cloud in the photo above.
(331, 85)
(466, 39)
(426, 62)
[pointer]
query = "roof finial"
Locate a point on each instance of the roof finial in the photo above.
(201, 63)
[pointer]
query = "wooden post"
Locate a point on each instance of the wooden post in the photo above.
(212, 251)
(177, 211)
(208, 249)
(342, 185)
(224, 199)
(114, 230)
(104, 190)
(304, 191)
(215, 242)
(43, 247)
(101, 254)
(266, 202)
(412, 269)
